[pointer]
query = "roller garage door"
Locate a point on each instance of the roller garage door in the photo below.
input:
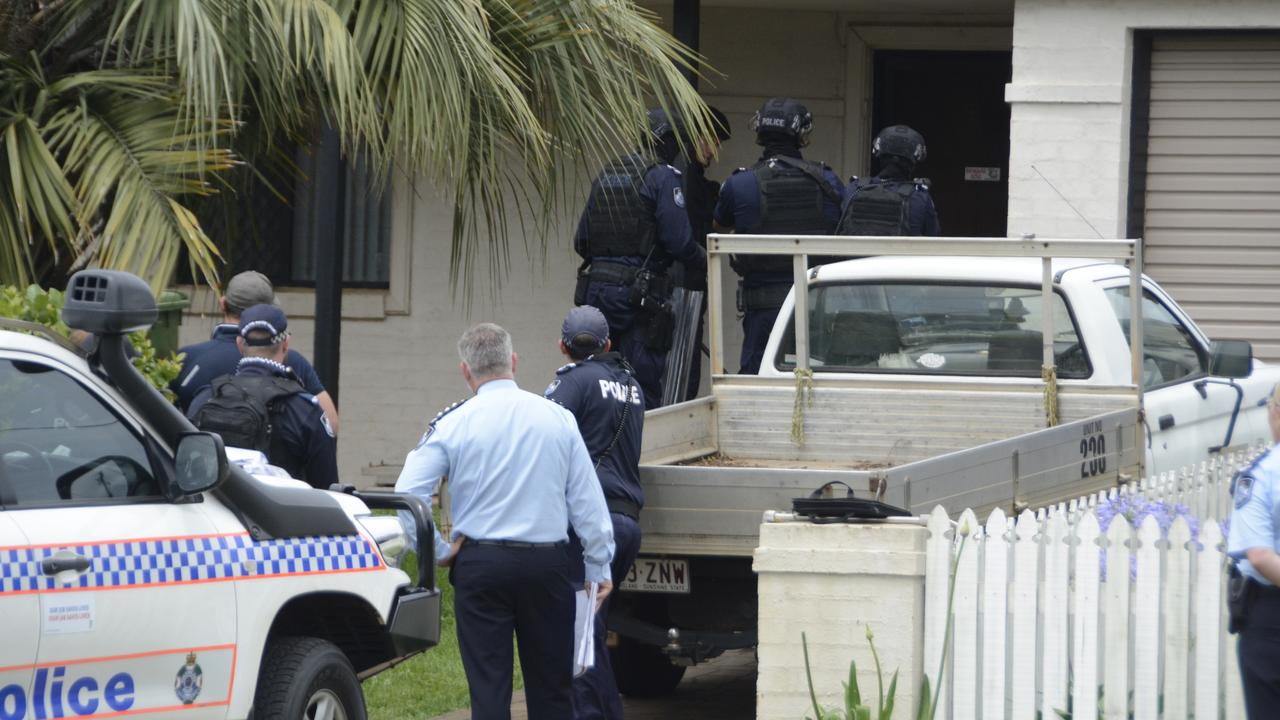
(1212, 198)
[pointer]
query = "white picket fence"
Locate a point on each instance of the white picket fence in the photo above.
(1050, 614)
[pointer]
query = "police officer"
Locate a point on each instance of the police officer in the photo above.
(633, 227)
(598, 388)
(218, 355)
(1253, 541)
(300, 439)
(781, 194)
(892, 202)
(700, 196)
(519, 477)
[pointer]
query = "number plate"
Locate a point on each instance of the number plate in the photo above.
(658, 575)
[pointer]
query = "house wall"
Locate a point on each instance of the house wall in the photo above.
(399, 365)
(1069, 98)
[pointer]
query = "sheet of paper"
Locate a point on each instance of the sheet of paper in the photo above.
(584, 653)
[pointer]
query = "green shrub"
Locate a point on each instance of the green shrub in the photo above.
(37, 305)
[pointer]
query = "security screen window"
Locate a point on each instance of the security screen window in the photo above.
(934, 329)
(59, 443)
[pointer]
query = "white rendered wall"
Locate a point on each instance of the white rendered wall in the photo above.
(1072, 72)
(831, 582)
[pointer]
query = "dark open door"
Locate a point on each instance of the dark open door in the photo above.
(956, 100)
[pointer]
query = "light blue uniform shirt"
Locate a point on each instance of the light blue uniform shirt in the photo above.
(518, 470)
(1257, 511)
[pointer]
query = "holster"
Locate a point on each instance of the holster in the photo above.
(580, 286)
(1241, 592)
(659, 327)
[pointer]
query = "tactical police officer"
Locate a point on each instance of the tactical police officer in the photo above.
(781, 194)
(1253, 541)
(598, 388)
(892, 202)
(264, 406)
(519, 478)
(633, 227)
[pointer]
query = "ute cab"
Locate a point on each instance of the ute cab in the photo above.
(964, 319)
(140, 573)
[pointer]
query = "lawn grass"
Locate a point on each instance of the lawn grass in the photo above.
(431, 683)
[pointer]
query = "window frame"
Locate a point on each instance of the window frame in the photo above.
(1199, 342)
(780, 366)
(161, 463)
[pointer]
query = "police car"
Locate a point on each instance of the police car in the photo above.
(141, 574)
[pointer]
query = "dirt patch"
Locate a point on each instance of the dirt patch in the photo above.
(721, 460)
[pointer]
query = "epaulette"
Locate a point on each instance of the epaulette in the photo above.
(446, 411)
(674, 169)
(431, 426)
(566, 368)
(741, 169)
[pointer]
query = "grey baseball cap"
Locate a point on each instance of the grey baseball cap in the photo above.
(249, 288)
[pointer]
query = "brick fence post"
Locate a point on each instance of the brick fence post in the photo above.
(830, 582)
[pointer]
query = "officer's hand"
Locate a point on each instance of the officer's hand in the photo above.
(602, 592)
(453, 551)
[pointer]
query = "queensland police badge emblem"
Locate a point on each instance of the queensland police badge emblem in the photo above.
(189, 681)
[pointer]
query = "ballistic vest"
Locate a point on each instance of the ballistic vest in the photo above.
(620, 222)
(793, 193)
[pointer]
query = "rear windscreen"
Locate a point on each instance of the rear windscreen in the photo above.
(934, 329)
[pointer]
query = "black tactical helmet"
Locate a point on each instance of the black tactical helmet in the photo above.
(783, 115)
(900, 141)
(659, 124)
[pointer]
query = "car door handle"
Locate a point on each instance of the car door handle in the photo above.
(62, 563)
(1166, 422)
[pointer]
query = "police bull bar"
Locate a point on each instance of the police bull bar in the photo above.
(414, 621)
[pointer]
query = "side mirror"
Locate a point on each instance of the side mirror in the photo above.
(1231, 359)
(200, 463)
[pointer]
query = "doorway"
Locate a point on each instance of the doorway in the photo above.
(956, 101)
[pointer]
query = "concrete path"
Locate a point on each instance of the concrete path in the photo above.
(715, 690)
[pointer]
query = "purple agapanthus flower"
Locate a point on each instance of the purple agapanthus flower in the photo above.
(1135, 509)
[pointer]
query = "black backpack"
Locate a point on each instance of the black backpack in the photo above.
(240, 409)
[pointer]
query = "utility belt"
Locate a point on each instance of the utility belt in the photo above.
(518, 544)
(622, 506)
(1244, 595)
(650, 296)
(658, 285)
(769, 296)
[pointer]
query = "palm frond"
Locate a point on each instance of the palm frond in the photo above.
(132, 167)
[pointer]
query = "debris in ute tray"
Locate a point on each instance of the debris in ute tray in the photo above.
(722, 460)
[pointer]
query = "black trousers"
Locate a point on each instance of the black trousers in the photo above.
(1259, 653)
(498, 590)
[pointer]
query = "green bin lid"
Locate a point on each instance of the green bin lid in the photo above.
(172, 300)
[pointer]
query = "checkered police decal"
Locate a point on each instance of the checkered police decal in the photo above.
(168, 561)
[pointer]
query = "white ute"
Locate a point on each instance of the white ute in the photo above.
(140, 574)
(928, 388)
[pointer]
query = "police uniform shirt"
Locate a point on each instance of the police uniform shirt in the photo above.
(1257, 512)
(739, 203)
(663, 187)
(600, 393)
(299, 424)
(922, 214)
(518, 470)
(219, 356)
